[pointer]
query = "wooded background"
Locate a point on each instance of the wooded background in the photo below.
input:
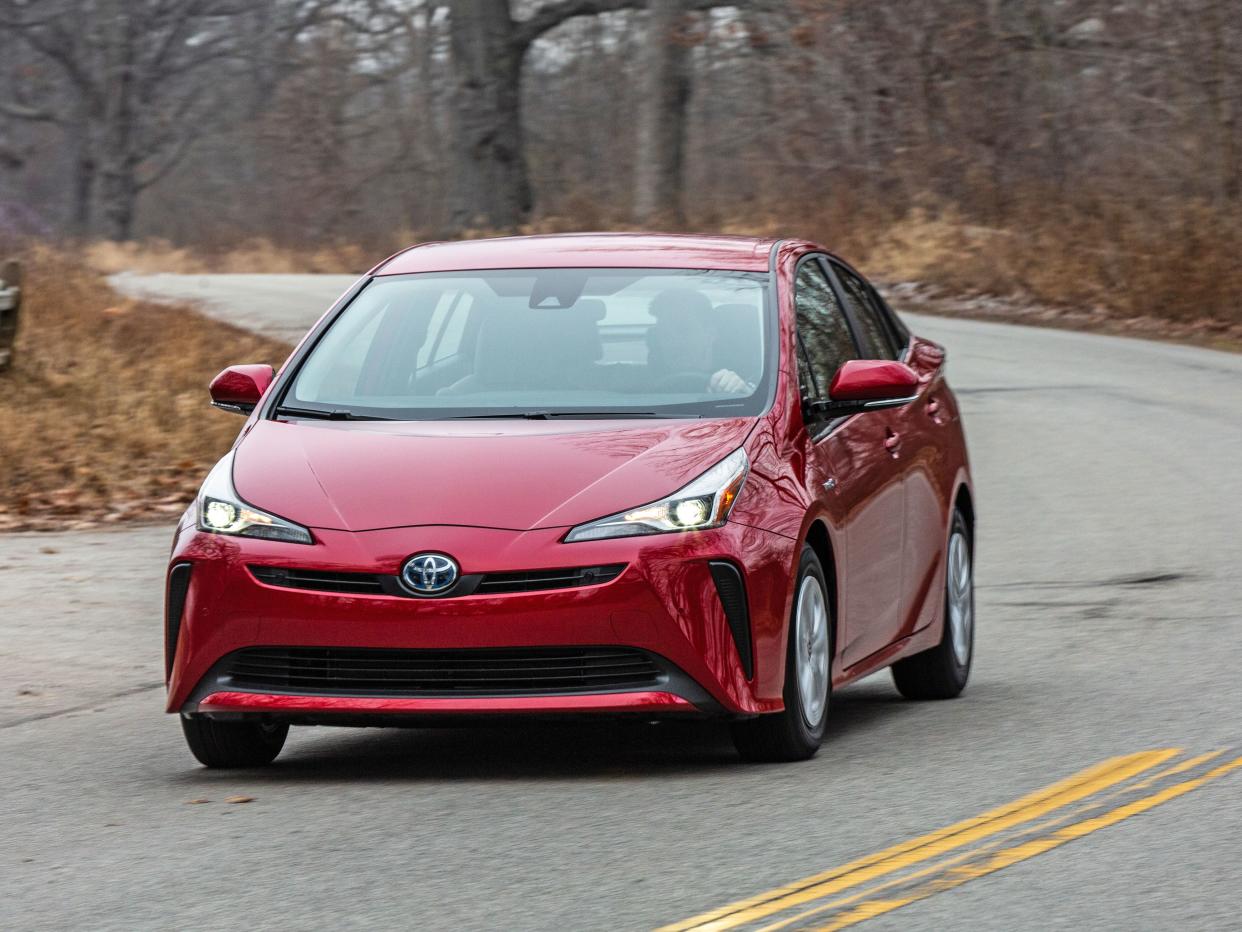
(1082, 150)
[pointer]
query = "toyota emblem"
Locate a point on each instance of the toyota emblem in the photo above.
(429, 573)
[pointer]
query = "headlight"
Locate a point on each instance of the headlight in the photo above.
(704, 503)
(221, 511)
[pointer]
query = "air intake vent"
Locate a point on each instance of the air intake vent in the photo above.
(732, 593)
(339, 671)
(174, 608)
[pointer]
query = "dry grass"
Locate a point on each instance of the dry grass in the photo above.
(1075, 258)
(1172, 274)
(1105, 258)
(1083, 256)
(104, 415)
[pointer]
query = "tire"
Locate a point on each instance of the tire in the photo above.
(233, 744)
(795, 733)
(942, 671)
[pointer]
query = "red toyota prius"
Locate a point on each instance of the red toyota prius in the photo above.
(578, 475)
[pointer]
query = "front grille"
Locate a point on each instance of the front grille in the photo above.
(534, 580)
(319, 580)
(474, 584)
(476, 672)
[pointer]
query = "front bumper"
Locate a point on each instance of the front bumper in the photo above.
(665, 603)
(319, 710)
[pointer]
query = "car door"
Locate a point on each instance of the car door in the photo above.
(855, 476)
(913, 432)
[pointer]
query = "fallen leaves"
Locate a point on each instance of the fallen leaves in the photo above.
(104, 417)
(71, 509)
(117, 310)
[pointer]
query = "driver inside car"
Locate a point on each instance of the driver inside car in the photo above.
(681, 345)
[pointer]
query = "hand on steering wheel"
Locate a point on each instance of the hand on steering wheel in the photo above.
(684, 380)
(722, 382)
(726, 381)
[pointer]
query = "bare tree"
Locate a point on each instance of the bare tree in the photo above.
(665, 89)
(133, 84)
(368, 120)
(490, 181)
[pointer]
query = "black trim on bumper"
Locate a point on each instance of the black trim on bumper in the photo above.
(174, 607)
(732, 592)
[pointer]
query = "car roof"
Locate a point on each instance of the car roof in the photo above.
(585, 250)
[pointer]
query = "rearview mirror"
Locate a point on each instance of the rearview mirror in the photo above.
(868, 384)
(239, 388)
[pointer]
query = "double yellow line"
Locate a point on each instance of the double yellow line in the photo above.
(814, 899)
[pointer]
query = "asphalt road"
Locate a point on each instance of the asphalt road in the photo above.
(279, 306)
(1109, 492)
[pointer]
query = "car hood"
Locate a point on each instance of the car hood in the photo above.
(515, 475)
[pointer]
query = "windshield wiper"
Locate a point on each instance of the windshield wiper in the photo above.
(336, 414)
(549, 415)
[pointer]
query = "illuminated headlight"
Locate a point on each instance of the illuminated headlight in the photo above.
(221, 511)
(704, 503)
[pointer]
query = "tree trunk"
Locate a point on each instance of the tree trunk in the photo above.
(83, 186)
(120, 162)
(665, 92)
(120, 200)
(1222, 103)
(489, 182)
(78, 141)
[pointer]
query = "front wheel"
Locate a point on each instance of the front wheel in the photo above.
(942, 671)
(796, 733)
(233, 744)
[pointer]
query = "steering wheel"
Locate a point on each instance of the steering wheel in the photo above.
(684, 380)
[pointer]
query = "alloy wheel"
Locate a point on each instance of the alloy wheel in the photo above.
(960, 597)
(812, 648)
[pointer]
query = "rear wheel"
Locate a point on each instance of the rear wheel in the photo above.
(233, 744)
(796, 733)
(942, 671)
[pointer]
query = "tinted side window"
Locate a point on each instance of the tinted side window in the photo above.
(806, 384)
(901, 334)
(821, 325)
(869, 316)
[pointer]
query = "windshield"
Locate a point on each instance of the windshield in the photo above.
(543, 343)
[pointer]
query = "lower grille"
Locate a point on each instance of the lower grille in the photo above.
(477, 672)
